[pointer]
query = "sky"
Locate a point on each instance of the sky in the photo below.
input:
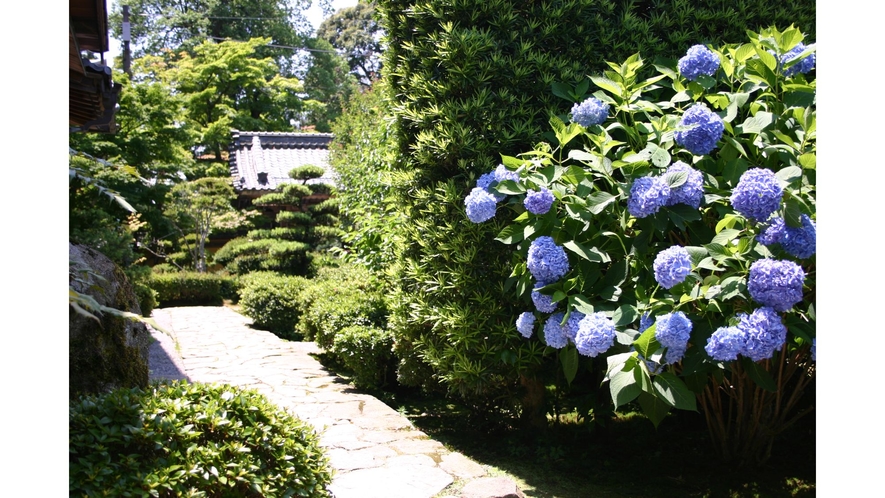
(314, 15)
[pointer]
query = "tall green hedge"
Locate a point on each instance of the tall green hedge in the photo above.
(470, 80)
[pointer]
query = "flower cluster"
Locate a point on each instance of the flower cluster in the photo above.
(543, 302)
(697, 61)
(699, 130)
(757, 194)
(596, 334)
(525, 324)
(800, 242)
(590, 112)
(554, 333)
(538, 202)
(757, 336)
(647, 195)
(776, 283)
(671, 266)
(814, 349)
(547, 261)
(492, 178)
(480, 205)
(691, 192)
(806, 64)
(673, 331)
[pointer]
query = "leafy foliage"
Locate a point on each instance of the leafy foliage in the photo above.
(366, 351)
(470, 82)
(192, 288)
(356, 33)
(273, 302)
(186, 439)
(614, 250)
(196, 206)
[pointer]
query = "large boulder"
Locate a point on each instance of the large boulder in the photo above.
(113, 353)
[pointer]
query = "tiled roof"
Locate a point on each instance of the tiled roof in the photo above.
(261, 161)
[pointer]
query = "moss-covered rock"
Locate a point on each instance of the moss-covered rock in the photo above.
(114, 352)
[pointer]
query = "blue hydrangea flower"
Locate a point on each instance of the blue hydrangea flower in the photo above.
(538, 202)
(773, 233)
(647, 195)
(502, 173)
(554, 334)
(697, 61)
(596, 334)
(803, 66)
(572, 325)
(671, 266)
(645, 322)
(673, 355)
(485, 180)
(525, 324)
(800, 242)
(776, 283)
(699, 130)
(590, 112)
(547, 261)
(814, 349)
(543, 302)
(480, 205)
(691, 192)
(673, 330)
(763, 333)
(725, 344)
(757, 194)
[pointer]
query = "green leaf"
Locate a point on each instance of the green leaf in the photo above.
(725, 236)
(625, 315)
(606, 84)
(597, 201)
(769, 60)
(562, 90)
(789, 174)
(744, 52)
(671, 388)
(511, 234)
(646, 344)
(676, 178)
(592, 254)
(509, 187)
(568, 356)
(581, 304)
(623, 388)
(653, 407)
(808, 160)
(581, 155)
(759, 375)
(757, 123)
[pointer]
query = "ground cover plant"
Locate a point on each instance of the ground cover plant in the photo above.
(197, 440)
(666, 237)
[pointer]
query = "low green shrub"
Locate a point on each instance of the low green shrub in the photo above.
(192, 288)
(368, 352)
(272, 301)
(337, 298)
(185, 439)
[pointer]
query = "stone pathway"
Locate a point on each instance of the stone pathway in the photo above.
(374, 451)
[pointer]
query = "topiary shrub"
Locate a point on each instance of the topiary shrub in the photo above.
(185, 439)
(337, 298)
(366, 351)
(192, 288)
(272, 302)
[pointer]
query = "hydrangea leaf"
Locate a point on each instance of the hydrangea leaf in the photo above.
(508, 187)
(653, 407)
(624, 388)
(808, 161)
(671, 388)
(789, 174)
(568, 356)
(755, 124)
(591, 254)
(624, 315)
(597, 201)
(646, 343)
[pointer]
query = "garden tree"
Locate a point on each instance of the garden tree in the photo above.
(161, 27)
(472, 81)
(302, 225)
(152, 133)
(225, 85)
(195, 206)
(362, 157)
(356, 33)
(328, 82)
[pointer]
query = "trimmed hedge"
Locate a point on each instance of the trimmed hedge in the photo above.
(186, 439)
(273, 302)
(366, 351)
(192, 288)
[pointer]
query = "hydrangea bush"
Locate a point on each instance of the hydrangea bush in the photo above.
(674, 217)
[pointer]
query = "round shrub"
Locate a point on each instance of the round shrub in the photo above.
(366, 351)
(183, 439)
(272, 301)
